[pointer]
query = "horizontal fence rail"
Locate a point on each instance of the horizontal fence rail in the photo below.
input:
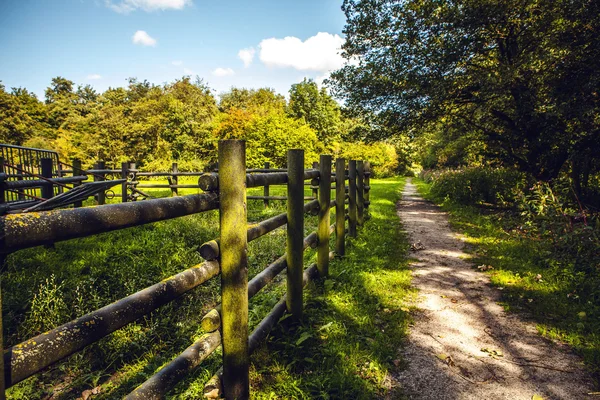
(226, 325)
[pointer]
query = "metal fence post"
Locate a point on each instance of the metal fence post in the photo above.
(46, 168)
(352, 199)
(340, 198)
(234, 268)
(295, 231)
(124, 174)
(21, 195)
(175, 179)
(324, 215)
(101, 198)
(266, 191)
(76, 172)
(360, 192)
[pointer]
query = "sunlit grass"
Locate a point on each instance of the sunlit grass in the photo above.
(78, 276)
(354, 322)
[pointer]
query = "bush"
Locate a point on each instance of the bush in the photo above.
(476, 185)
(382, 156)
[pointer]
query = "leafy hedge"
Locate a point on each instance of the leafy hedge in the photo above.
(476, 185)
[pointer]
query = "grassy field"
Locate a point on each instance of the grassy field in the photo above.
(345, 345)
(532, 282)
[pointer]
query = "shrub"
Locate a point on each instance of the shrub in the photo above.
(476, 185)
(382, 156)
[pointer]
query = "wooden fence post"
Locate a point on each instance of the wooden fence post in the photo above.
(101, 198)
(360, 192)
(315, 182)
(2, 383)
(175, 179)
(367, 188)
(266, 191)
(352, 199)
(76, 171)
(46, 168)
(295, 231)
(2, 259)
(234, 268)
(340, 198)
(324, 215)
(124, 175)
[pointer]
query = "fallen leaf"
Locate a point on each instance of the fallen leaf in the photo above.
(537, 397)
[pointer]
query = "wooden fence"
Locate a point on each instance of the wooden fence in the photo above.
(227, 325)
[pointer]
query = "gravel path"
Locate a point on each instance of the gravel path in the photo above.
(459, 317)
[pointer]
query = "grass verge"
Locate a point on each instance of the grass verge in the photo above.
(354, 322)
(532, 282)
(46, 286)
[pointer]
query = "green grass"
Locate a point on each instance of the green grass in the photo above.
(532, 280)
(354, 321)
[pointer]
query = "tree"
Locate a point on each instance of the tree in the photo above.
(317, 108)
(258, 101)
(486, 67)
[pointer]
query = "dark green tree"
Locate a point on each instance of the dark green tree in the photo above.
(514, 73)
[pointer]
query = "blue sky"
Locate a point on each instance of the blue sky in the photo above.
(251, 43)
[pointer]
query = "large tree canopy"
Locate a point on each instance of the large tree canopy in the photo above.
(520, 76)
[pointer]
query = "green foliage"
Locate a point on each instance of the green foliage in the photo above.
(181, 121)
(476, 185)
(317, 109)
(518, 77)
(383, 156)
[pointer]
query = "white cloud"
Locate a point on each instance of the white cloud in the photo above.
(177, 63)
(141, 37)
(188, 71)
(127, 6)
(247, 55)
(223, 72)
(317, 53)
(94, 77)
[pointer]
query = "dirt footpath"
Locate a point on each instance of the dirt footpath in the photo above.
(463, 345)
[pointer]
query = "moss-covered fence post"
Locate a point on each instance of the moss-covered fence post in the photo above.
(2, 257)
(360, 192)
(234, 268)
(340, 199)
(295, 231)
(324, 215)
(352, 198)
(266, 189)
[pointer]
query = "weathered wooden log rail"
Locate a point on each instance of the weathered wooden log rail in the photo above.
(227, 324)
